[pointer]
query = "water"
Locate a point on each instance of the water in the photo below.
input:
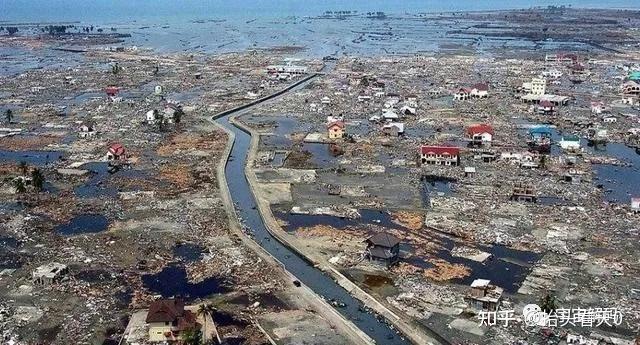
(168, 12)
(621, 183)
(435, 184)
(38, 158)
(188, 252)
(369, 217)
(173, 281)
(83, 224)
(303, 270)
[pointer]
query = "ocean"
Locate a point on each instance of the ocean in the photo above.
(171, 11)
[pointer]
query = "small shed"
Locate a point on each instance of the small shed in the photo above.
(87, 129)
(335, 130)
(393, 129)
(49, 273)
(484, 296)
(384, 248)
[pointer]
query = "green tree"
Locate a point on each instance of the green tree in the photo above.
(19, 185)
(548, 303)
(191, 337)
(37, 179)
(8, 115)
(23, 168)
(177, 115)
(207, 310)
(115, 69)
(543, 161)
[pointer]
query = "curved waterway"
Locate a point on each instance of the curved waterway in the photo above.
(315, 279)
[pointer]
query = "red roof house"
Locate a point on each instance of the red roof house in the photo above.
(112, 91)
(115, 152)
(170, 316)
(480, 133)
(440, 155)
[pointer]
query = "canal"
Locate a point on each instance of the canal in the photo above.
(323, 285)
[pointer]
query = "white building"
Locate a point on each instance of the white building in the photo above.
(389, 114)
(554, 74)
(49, 273)
(290, 69)
(597, 108)
(570, 143)
(538, 86)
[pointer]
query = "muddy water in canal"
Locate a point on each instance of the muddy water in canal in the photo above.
(319, 282)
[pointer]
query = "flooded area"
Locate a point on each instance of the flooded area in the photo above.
(37, 158)
(83, 224)
(620, 183)
(172, 281)
(188, 252)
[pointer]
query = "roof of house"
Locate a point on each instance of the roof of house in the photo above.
(165, 310)
(382, 253)
(546, 104)
(440, 150)
(481, 87)
(339, 124)
(88, 124)
(635, 75)
(480, 129)
(398, 125)
(540, 130)
(116, 149)
(111, 89)
(383, 239)
(480, 283)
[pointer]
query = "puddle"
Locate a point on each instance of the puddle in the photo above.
(278, 159)
(9, 242)
(374, 281)
(435, 185)
(11, 206)
(321, 154)
(8, 256)
(188, 252)
(97, 185)
(38, 158)
(48, 335)
(94, 275)
(83, 224)
(172, 281)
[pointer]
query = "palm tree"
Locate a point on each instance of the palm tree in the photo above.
(207, 310)
(37, 179)
(19, 184)
(8, 115)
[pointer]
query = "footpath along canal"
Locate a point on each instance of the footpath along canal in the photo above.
(247, 209)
